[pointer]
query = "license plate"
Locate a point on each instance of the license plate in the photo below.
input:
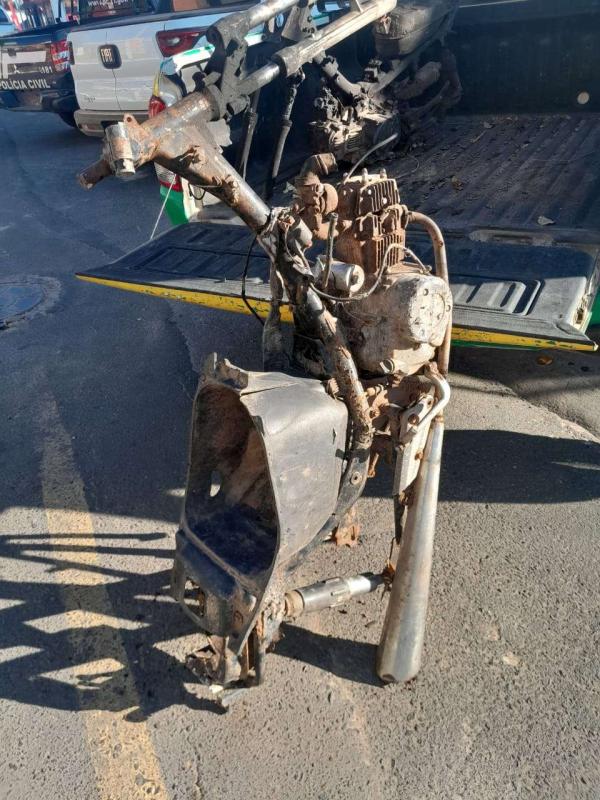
(110, 56)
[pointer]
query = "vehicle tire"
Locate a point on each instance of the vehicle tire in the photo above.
(68, 117)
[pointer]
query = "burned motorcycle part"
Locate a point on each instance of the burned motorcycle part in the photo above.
(250, 120)
(293, 85)
(352, 117)
(266, 445)
(441, 270)
(371, 227)
(401, 647)
(263, 445)
(410, 26)
(224, 90)
(339, 276)
(347, 532)
(330, 593)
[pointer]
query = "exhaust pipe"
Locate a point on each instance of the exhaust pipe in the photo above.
(401, 646)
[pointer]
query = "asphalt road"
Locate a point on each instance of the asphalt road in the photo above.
(96, 704)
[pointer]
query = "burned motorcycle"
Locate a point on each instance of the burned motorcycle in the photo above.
(279, 458)
(389, 98)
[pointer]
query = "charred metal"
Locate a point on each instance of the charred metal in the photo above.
(279, 458)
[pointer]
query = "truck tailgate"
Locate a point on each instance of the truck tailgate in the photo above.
(508, 294)
(518, 198)
(33, 62)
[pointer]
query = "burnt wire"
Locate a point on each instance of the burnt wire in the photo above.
(251, 308)
(375, 147)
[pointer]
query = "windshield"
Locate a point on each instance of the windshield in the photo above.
(85, 10)
(97, 9)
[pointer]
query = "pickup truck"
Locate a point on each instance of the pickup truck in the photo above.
(114, 63)
(6, 26)
(511, 177)
(102, 60)
(34, 71)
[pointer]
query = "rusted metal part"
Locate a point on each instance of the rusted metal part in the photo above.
(353, 116)
(273, 350)
(347, 532)
(94, 173)
(316, 200)
(331, 70)
(330, 593)
(295, 56)
(410, 26)
(372, 223)
(401, 647)
(441, 270)
(293, 84)
(372, 318)
(424, 78)
(240, 527)
(144, 139)
(228, 87)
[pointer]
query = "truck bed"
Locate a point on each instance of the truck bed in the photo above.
(518, 199)
(510, 173)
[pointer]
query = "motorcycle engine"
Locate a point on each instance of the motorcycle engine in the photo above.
(411, 81)
(394, 310)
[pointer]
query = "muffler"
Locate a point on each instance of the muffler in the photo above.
(401, 646)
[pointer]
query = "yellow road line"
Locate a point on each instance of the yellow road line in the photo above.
(122, 754)
(237, 305)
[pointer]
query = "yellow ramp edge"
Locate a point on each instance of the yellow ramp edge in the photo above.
(237, 305)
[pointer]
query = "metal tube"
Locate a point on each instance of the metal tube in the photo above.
(286, 125)
(249, 127)
(441, 270)
(293, 57)
(401, 646)
(331, 69)
(260, 77)
(330, 593)
(442, 394)
(194, 108)
(251, 17)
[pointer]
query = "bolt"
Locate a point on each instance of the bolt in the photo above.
(355, 479)
(413, 419)
(419, 456)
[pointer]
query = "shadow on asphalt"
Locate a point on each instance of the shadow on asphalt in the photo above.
(38, 677)
(494, 466)
(48, 675)
(479, 467)
(346, 658)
